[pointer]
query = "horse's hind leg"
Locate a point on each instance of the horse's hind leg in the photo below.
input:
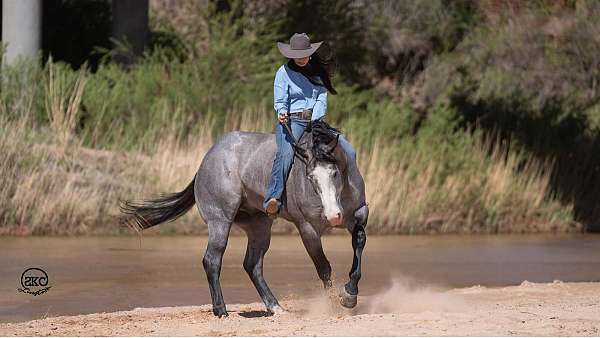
(213, 258)
(258, 229)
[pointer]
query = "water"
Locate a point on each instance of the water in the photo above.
(105, 274)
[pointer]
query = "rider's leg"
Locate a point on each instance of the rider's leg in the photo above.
(283, 160)
(276, 181)
(348, 148)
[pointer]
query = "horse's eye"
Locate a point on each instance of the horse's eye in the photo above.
(335, 174)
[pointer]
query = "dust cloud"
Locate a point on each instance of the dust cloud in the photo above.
(403, 295)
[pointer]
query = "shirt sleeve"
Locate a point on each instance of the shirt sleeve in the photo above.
(280, 92)
(320, 107)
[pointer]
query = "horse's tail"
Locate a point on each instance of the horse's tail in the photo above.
(167, 207)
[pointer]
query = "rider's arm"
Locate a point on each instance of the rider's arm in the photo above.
(320, 107)
(280, 92)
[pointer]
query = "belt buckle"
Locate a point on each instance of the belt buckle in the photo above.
(306, 114)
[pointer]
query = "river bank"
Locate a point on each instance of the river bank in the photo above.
(530, 309)
(91, 275)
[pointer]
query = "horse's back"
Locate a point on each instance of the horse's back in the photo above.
(241, 146)
(236, 167)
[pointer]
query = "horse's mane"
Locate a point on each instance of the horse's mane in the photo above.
(323, 136)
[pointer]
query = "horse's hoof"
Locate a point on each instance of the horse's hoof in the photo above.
(277, 310)
(220, 312)
(347, 300)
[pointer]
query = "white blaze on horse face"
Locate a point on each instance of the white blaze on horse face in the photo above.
(323, 174)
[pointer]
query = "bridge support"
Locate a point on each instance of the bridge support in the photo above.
(21, 28)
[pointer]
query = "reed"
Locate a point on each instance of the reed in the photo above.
(47, 190)
(63, 100)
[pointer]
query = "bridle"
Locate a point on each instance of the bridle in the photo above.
(300, 152)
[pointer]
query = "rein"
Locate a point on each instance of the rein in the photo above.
(295, 144)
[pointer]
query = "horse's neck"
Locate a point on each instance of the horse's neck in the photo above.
(300, 188)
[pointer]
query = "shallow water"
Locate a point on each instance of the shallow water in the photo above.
(105, 274)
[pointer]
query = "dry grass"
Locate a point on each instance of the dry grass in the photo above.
(496, 194)
(47, 190)
(63, 100)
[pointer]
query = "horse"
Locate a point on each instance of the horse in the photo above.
(323, 186)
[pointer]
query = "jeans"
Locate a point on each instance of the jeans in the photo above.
(285, 157)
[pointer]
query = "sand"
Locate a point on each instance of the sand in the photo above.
(530, 309)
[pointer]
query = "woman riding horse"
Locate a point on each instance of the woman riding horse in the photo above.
(326, 188)
(300, 95)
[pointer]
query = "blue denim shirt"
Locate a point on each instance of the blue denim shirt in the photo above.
(294, 93)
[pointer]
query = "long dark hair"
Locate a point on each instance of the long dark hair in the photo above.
(322, 63)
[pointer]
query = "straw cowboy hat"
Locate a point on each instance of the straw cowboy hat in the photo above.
(299, 47)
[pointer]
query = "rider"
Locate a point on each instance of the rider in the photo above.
(300, 95)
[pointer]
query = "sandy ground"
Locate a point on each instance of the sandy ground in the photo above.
(530, 309)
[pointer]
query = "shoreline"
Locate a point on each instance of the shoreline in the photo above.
(528, 309)
(293, 232)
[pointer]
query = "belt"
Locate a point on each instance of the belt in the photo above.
(306, 114)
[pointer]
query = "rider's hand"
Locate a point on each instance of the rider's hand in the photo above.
(283, 117)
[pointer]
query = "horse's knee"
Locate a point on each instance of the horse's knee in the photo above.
(361, 215)
(210, 264)
(250, 267)
(359, 236)
(253, 260)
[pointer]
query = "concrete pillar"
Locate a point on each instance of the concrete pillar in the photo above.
(21, 28)
(130, 24)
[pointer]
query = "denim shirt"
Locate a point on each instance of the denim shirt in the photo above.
(294, 93)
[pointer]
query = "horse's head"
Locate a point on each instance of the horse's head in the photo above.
(326, 163)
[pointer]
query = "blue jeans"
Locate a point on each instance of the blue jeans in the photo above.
(285, 157)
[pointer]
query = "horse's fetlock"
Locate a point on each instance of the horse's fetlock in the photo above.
(351, 289)
(325, 272)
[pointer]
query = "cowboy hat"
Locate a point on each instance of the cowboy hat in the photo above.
(299, 46)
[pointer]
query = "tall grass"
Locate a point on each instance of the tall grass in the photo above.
(48, 191)
(492, 193)
(63, 100)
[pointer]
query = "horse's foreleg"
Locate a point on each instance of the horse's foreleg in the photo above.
(259, 239)
(359, 238)
(312, 242)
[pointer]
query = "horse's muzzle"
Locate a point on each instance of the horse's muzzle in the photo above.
(336, 220)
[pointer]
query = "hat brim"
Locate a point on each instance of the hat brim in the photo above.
(288, 52)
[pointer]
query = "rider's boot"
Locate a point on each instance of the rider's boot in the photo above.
(272, 208)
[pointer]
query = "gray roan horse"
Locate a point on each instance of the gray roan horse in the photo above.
(229, 187)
